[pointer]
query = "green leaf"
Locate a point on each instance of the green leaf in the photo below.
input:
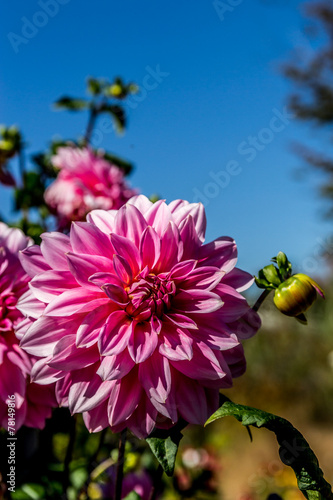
(29, 491)
(164, 445)
(132, 496)
(95, 86)
(125, 165)
(118, 115)
(294, 449)
(272, 275)
(71, 104)
(262, 282)
(32, 192)
(284, 265)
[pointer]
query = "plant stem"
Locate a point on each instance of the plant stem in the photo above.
(120, 465)
(260, 300)
(69, 453)
(157, 483)
(91, 124)
(21, 163)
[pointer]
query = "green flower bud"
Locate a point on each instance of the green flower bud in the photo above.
(295, 295)
(116, 90)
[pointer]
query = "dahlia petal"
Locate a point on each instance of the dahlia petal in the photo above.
(167, 409)
(93, 304)
(141, 202)
(87, 391)
(100, 279)
(142, 343)
(142, 421)
(204, 364)
(103, 219)
(53, 330)
(115, 334)
(191, 401)
(156, 324)
(43, 374)
(49, 284)
(155, 377)
(54, 247)
(150, 247)
(122, 269)
(19, 358)
(115, 367)
(197, 301)
(68, 357)
(170, 247)
(33, 261)
(203, 278)
(20, 329)
(182, 269)
(116, 293)
(181, 320)
(177, 344)
(88, 239)
(62, 389)
(84, 266)
(197, 211)
(90, 328)
(246, 326)
(71, 302)
(158, 216)
(177, 204)
(238, 279)
(15, 238)
(30, 306)
(126, 249)
(129, 222)
(189, 238)
(221, 253)
(215, 339)
(96, 419)
(234, 304)
(124, 398)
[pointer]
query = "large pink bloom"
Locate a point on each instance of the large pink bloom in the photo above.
(85, 182)
(32, 402)
(137, 319)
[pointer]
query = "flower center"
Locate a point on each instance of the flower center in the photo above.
(148, 296)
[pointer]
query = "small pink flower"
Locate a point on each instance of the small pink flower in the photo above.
(139, 482)
(137, 319)
(85, 182)
(32, 404)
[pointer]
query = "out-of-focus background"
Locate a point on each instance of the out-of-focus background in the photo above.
(235, 110)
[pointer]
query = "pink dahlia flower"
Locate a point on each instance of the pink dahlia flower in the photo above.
(137, 319)
(32, 403)
(85, 182)
(139, 482)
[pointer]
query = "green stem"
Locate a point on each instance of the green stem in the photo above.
(120, 465)
(91, 124)
(21, 163)
(261, 299)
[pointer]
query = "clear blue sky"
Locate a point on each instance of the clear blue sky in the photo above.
(218, 86)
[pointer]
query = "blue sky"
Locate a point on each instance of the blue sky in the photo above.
(218, 89)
